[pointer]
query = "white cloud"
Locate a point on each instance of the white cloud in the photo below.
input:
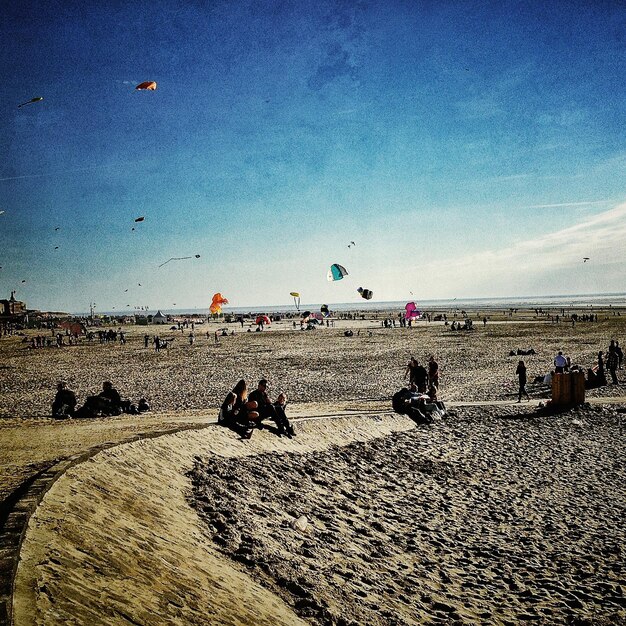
(565, 204)
(552, 263)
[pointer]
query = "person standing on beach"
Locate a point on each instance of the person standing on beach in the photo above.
(433, 372)
(601, 375)
(421, 377)
(620, 355)
(521, 375)
(410, 370)
(612, 362)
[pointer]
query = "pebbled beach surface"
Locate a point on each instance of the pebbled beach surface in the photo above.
(492, 516)
(322, 365)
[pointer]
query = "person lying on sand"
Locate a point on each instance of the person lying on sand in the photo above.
(237, 412)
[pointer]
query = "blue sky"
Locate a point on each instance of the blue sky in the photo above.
(469, 149)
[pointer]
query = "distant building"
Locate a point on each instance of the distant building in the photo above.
(12, 313)
(159, 318)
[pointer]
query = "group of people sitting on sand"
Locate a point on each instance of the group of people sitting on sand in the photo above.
(107, 402)
(243, 413)
(422, 408)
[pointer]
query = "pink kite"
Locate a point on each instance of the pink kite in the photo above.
(263, 319)
(411, 311)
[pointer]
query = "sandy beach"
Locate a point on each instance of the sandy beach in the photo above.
(490, 517)
(496, 515)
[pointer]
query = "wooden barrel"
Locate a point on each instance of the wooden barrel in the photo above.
(561, 390)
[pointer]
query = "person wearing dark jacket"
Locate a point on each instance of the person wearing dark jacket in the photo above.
(64, 402)
(107, 402)
(406, 402)
(272, 410)
(521, 376)
(283, 424)
(112, 394)
(266, 408)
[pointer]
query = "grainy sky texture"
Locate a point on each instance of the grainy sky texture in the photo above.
(470, 149)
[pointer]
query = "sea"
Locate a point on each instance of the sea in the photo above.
(569, 301)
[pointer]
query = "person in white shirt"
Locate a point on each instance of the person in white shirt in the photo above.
(560, 363)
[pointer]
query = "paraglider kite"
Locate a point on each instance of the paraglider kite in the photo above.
(263, 320)
(336, 272)
(140, 219)
(148, 85)
(296, 299)
(365, 293)
(216, 303)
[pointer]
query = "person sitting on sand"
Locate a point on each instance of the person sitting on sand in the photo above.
(64, 402)
(237, 413)
(560, 363)
(267, 409)
(432, 397)
(406, 402)
(283, 424)
(107, 402)
(143, 405)
(109, 392)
